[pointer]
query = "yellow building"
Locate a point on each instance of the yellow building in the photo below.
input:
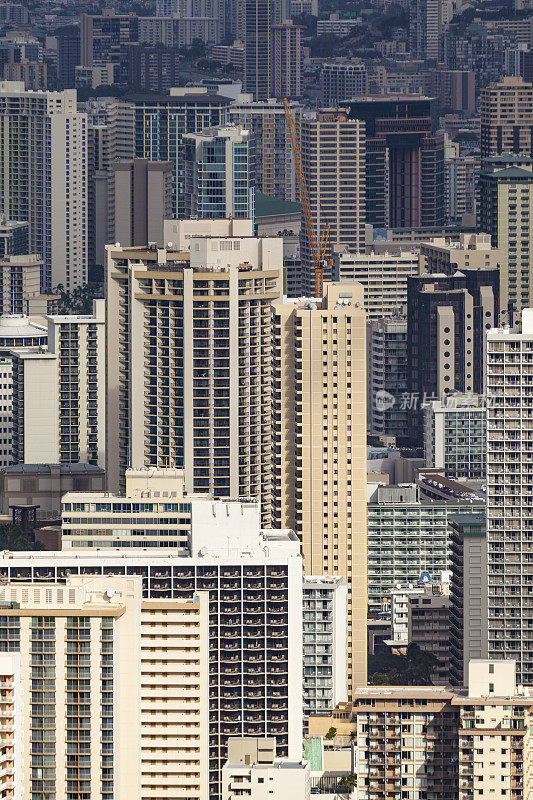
(117, 690)
(320, 443)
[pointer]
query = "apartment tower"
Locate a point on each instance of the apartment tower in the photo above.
(189, 363)
(43, 177)
(404, 160)
(333, 162)
(274, 169)
(253, 657)
(287, 60)
(506, 213)
(320, 444)
(258, 18)
(219, 173)
(509, 491)
(116, 688)
(507, 118)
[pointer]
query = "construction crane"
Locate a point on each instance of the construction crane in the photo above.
(318, 250)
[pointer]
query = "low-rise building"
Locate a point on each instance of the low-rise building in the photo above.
(252, 770)
(43, 485)
(431, 741)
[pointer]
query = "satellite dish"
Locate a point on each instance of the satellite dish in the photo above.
(109, 593)
(117, 244)
(170, 244)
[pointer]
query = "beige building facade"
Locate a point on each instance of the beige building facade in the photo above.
(43, 143)
(506, 116)
(333, 163)
(320, 444)
(189, 363)
(437, 742)
(383, 277)
(12, 762)
(121, 709)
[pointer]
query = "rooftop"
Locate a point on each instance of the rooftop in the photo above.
(46, 469)
(266, 206)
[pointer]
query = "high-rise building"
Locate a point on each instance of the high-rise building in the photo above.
(407, 535)
(404, 160)
(199, 20)
(198, 327)
(68, 56)
(15, 331)
(287, 60)
(160, 122)
(105, 37)
(13, 237)
(506, 213)
(468, 592)
(139, 201)
(254, 662)
(275, 174)
(342, 80)
(20, 282)
(462, 175)
(43, 180)
(59, 393)
(129, 721)
(258, 18)
(387, 377)
(507, 118)
(324, 643)
(110, 138)
(428, 20)
(320, 443)
(219, 174)
(154, 68)
(12, 708)
(447, 319)
(14, 13)
(383, 277)
(336, 194)
(455, 430)
(509, 482)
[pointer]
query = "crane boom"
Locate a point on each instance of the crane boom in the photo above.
(316, 251)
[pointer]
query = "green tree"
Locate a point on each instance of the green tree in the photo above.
(13, 537)
(331, 733)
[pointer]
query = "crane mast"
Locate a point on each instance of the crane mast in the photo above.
(317, 250)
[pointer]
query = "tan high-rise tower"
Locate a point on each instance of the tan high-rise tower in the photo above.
(333, 161)
(189, 362)
(507, 117)
(320, 444)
